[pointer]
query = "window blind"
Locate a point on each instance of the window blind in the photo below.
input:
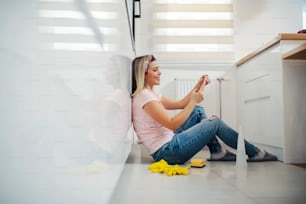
(193, 31)
(77, 31)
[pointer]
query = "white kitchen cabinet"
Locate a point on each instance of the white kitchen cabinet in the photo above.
(271, 99)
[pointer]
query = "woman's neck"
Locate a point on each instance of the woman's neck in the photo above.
(149, 87)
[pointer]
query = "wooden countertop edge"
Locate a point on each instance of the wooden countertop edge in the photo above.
(292, 36)
(281, 36)
(297, 50)
(258, 51)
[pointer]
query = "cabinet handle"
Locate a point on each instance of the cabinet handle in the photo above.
(255, 100)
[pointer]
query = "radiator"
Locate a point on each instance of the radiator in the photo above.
(183, 87)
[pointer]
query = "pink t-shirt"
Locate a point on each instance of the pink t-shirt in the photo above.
(152, 134)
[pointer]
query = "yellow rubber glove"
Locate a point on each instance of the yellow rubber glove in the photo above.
(163, 167)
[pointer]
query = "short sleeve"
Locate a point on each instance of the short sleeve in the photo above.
(147, 96)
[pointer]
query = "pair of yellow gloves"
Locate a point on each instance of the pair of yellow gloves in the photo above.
(163, 167)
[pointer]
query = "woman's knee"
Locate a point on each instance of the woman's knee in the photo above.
(214, 120)
(200, 111)
(213, 117)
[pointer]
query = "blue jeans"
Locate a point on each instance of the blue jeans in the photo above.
(195, 117)
(194, 134)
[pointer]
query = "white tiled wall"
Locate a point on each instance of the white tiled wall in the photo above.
(64, 111)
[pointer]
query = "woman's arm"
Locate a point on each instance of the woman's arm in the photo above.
(172, 104)
(159, 113)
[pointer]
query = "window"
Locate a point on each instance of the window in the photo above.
(193, 31)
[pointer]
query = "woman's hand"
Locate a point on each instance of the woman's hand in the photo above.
(200, 83)
(203, 81)
(159, 113)
(206, 79)
(197, 96)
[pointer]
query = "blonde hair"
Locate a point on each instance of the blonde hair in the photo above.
(140, 67)
(138, 74)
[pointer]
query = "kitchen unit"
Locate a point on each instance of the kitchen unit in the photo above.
(272, 97)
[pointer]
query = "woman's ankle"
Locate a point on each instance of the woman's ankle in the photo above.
(261, 153)
(218, 155)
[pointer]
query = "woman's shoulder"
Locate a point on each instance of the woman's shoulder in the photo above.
(146, 94)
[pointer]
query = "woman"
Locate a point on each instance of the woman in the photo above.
(177, 138)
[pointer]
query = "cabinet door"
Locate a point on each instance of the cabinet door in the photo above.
(260, 99)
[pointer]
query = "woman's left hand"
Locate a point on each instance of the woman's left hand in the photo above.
(206, 79)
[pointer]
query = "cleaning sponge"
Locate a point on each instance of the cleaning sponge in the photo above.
(199, 163)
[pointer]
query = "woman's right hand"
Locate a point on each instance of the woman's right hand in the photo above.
(200, 82)
(197, 96)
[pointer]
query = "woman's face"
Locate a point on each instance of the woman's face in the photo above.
(152, 76)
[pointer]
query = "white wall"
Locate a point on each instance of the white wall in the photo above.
(258, 22)
(212, 97)
(255, 23)
(64, 111)
(304, 14)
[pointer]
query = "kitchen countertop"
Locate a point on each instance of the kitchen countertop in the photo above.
(299, 53)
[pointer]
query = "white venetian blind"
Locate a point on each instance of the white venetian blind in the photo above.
(78, 30)
(193, 31)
